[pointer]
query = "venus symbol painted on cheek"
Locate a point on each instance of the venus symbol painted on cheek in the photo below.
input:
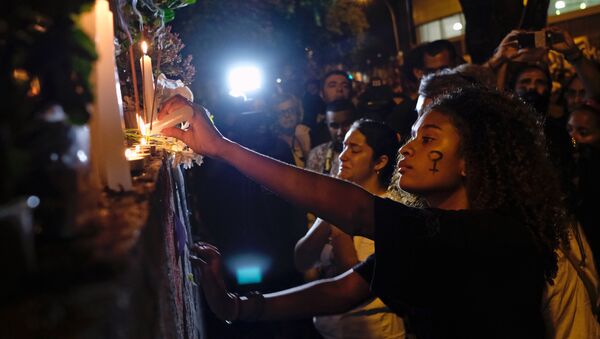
(435, 156)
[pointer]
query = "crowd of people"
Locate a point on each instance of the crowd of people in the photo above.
(462, 207)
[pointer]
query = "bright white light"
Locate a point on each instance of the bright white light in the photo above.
(559, 4)
(243, 80)
(583, 5)
(457, 26)
(278, 80)
(33, 201)
(82, 156)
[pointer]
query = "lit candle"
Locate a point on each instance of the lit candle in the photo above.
(135, 159)
(132, 154)
(106, 124)
(147, 81)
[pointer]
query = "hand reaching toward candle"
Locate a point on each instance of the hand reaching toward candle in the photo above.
(208, 259)
(201, 136)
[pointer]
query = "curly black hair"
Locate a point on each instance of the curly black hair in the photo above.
(503, 144)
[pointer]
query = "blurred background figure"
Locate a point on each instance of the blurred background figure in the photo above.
(335, 85)
(324, 158)
(377, 100)
(584, 129)
(312, 103)
(287, 110)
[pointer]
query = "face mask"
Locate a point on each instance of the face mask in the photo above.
(539, 102)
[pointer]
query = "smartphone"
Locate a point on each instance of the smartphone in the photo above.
(538, 39)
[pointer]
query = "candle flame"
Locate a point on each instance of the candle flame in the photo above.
(34, 87)
(144, 128)
(130, 154)
(20, 74)
(144, 47)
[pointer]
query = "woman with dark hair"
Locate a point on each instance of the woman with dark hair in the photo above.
(473, 264)
(368, 160)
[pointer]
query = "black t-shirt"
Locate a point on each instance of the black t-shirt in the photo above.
(456, 274)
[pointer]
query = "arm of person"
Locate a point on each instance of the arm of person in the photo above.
(503, 53)
(344, 253)
(302, 135)
(308, 249)
(311, 191)
(508, 50)
(329, 296)
(587, 71)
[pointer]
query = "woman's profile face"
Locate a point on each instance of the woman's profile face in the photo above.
(431, 163)
(356, 159)
(584, 127)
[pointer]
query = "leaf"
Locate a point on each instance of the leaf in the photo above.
(168, 15)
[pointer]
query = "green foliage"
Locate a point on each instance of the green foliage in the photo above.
(346, 16)
(147, 21)
(45, 60)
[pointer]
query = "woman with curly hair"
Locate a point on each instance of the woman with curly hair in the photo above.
(473, 264)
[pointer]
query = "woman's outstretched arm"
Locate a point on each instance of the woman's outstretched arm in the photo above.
(330, 296)
(344, 204)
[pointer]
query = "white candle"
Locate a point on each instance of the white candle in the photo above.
(107, 117)
(147, 82)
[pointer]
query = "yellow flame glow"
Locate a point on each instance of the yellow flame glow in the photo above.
(144, 47)
(34, 87)
(20, 74)
(130, 154)
(144, 129)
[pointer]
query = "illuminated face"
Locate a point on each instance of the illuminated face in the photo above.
(338, 124)
(584, 127)
(532, 79)
(287, 114)
(336, 87)
(431, 164)
(356, 160)
(575, 95)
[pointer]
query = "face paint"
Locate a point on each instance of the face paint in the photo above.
(435, 156)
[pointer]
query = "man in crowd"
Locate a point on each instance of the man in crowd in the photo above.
(339, 117)
(424, 59)
(336, 85)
